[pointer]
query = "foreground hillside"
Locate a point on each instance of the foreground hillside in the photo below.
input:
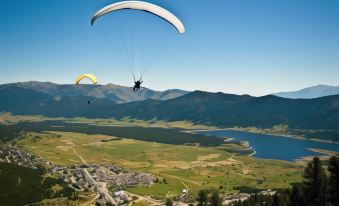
(18, 181)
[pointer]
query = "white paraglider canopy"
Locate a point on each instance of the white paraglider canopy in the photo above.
(137, 32)
(143, 6)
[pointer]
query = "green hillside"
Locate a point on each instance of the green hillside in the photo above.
(20, 186)
(217, 109)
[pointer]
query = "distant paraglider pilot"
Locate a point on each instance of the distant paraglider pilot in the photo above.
(137, 85)
(91, 77)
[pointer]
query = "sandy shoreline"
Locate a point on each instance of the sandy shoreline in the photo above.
(263, 133)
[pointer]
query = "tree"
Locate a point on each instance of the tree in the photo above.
(280, 199)
(333, 168)
(315, 183)
(202, 198)
(297, 195)
(215, 199)
(169, 202)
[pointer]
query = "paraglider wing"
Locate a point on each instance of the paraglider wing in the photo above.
(88, 76)
(143, 6)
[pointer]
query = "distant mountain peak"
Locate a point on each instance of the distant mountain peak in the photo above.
(316, 91)
(113, 92)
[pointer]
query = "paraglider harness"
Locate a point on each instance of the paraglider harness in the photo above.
(137, 84)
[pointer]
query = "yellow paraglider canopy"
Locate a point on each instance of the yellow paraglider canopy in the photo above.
(88, 76)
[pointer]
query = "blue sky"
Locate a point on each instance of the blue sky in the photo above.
(234, 46)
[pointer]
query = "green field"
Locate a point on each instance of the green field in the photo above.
(176, 166)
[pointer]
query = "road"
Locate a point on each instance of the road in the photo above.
(100, 187)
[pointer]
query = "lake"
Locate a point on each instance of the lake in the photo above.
(275, 147)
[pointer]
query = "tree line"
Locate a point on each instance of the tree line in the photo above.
(320, 187)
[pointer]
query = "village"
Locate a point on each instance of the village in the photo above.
(16, 156)
(102, 179)
(86, 177)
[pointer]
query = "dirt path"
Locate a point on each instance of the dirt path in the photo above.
(78, 155)
(187, 189)
(178, 178)
(43, 180)
(234, 160)
(182, 182)
(144, 198)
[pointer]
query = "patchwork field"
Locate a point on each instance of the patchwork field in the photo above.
(177, 166)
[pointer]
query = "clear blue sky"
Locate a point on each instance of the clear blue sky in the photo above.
(234, 46)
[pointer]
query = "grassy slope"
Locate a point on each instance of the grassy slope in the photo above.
(141, 203)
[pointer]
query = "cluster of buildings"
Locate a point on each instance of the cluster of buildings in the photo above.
(16, 156)
(102, 179)
(233, 198)
(117, 198)
(267, 193)
(84, 177)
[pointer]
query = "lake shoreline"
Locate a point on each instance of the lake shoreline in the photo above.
(265, 133)
(275, 146)
(324, 152)
(254, 152)
(325, 155)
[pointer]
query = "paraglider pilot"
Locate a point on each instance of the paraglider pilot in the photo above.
(137, 85)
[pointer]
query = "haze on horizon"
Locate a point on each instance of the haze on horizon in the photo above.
(252, 47)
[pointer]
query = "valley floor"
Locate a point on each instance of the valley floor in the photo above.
(177, 167)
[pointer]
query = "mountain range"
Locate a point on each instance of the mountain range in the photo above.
(310, 92)
(115, 93)
(225, 110)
